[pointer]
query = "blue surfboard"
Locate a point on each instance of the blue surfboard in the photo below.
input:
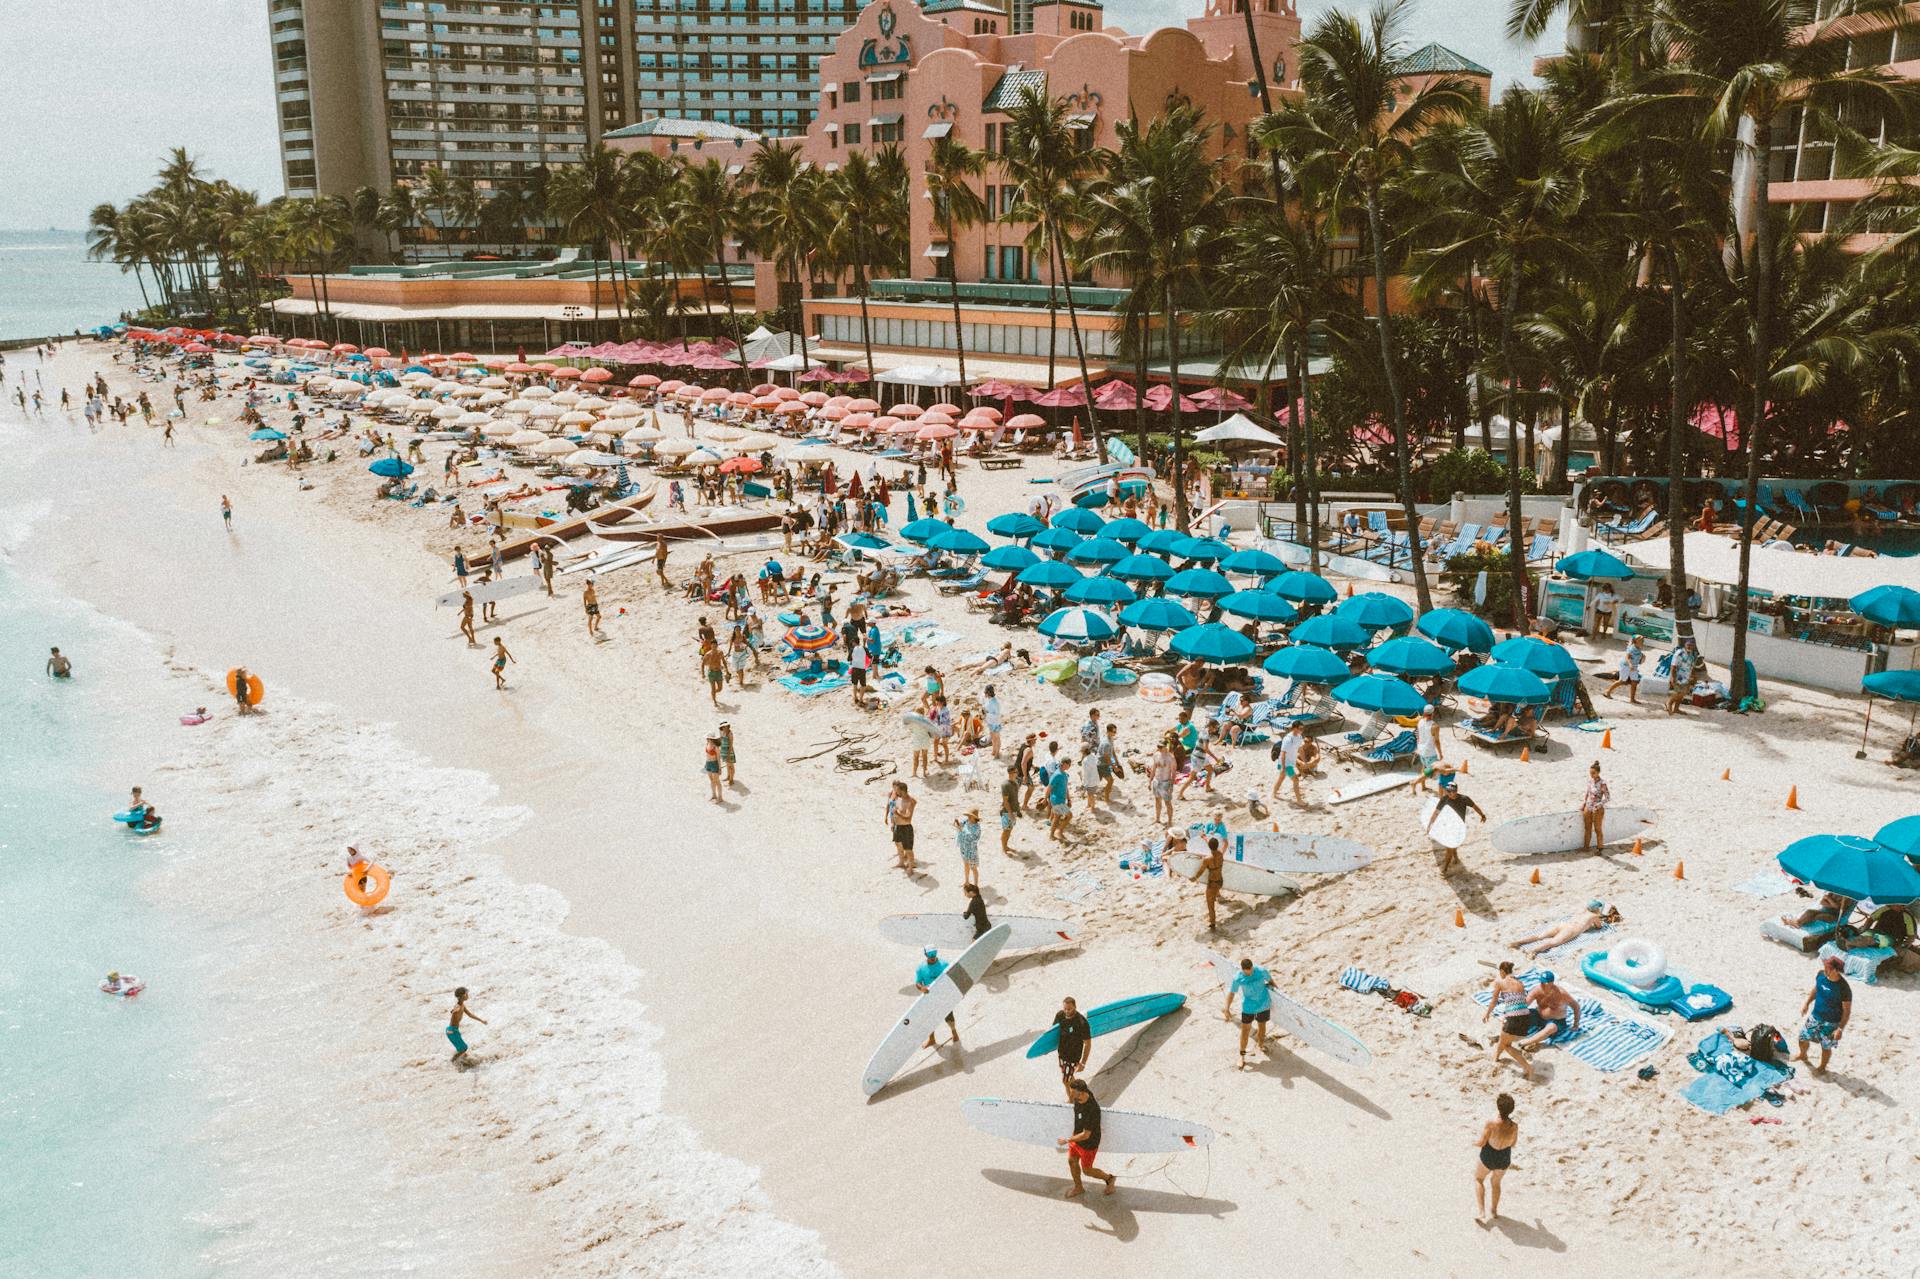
(1108, 1018)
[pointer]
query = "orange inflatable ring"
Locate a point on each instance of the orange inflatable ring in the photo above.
(378, 880)
(255, 689)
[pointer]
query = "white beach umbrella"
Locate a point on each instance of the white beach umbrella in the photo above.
(725, 434)
(546, 411)
(417, 408)
(495, 382)
(521, 406)
(592, 403)
(622, 409)
(536, 392)
(492, 399)
(675, 447)
(445, 387)
(578, 417)
(446, 412)
(755, 441)
(471, 421)
(642, 435)
(525, 439)
(567, 399)
(703, 457)
(468, 392)
(553, 448)
(593, 457)
(505, 430)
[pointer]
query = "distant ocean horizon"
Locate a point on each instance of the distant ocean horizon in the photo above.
(48, 287)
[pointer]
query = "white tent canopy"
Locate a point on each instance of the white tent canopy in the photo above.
(920, 375)
(791, 364)
(1714, 558)
(1240, 429)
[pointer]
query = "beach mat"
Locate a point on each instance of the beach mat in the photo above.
(1606, 1040)
(812, 686)
(1768, 883)
(1716, 1094)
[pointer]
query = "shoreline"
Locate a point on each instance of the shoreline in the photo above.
(703, 901)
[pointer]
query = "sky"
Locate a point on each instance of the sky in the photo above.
(93, 93)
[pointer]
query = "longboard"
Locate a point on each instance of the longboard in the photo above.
(1560, 832)
(926, 1012)
(499, 588)
(1305, 1025)
(1108, 1018)
(1449, 828)
(1237, 877)
(1370, 786)
(1028, 931)
(1286, 851)
(1122, 1132)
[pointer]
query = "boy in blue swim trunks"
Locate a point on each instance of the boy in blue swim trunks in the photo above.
(459, 1013)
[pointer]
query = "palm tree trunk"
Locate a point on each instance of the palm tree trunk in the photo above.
(860, 282)
(1080, 350)
(1180, 511)
(1678, 404)
(953, 296)
(1516, 539)
(1481, 407)
(800, 309)
(1401, 457)
(726, 292)
(1753, 431)
(1312, 462)
(1293, 440)
(1140, 382)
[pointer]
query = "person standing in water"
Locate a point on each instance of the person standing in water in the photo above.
(58, 666)
(1497, 1139)
(500, 659)
(460, 1013)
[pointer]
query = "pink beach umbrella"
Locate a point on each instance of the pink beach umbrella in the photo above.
(814, 399)
(595, 375)
(765, 388)
(784, 393)
(740, 398)
(790, 408)
(905, 410)
(864, 406)
(644, 380)
(935, 431)
(853, 421)
(1025, 421)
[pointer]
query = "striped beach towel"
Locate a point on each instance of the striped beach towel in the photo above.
(1606, 1040)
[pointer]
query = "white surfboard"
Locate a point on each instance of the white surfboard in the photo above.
(1305, 1025)
(956, 931)
(1449, 828)
(927, 1012)
(1289, 851)
(499, 588)
(1370, 786)
(1122, 1132)
(1237, 877)
(1560, 832)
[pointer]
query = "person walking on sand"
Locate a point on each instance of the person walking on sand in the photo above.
(1632, 658)
(500, 659)
(226, 511)
(714, 667)
(1830, 1003)
(590, 600)
(1110, 764)
(459, 1014)
(1680, 675)
(990, 708)
(1074, 1042)
(1450, 797)
(710, 765)
(1289, 762)
(1507, 999)
(1009, 808)
(466, 619)
(1254, 986)
(1059, 802)
(976, 911)
(1497, 1139)
(1160, 779)
(546, 567)
(1213, 866)
(923, 978)
(1593, 810)
(660, 561)
(1083, 1147)
(241, 691)
(899, 819)
(727, 758)
(460, 567)
(1426, 748)
(966, 834)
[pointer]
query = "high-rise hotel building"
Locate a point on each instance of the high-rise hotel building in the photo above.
(370, 92)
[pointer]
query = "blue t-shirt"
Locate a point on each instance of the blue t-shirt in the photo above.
(1253, 992)
(1828, 997)
(1057, 787)
(929, 972)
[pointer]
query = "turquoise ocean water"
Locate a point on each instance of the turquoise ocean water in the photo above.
(101, 1173)
(49, 288)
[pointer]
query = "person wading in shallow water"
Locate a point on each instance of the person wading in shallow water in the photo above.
(460, 1013)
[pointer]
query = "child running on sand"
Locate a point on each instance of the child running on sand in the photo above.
(500, 659)
(460, 1012)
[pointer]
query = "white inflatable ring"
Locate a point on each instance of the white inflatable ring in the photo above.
(1640, 964)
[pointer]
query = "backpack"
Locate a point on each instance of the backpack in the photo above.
(1764, 1043)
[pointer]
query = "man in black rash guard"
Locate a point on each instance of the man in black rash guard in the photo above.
(976, 912)
(1076, 1040)
(1084, 1145)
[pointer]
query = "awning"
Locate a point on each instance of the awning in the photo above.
(831, 126)
(1080, 120)
(1714, 558)
(735, 170)
(938, 251)
(879, 120)
(938, 129)
(884, 77)
(830, 88)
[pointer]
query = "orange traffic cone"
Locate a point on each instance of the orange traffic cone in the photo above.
(1349, 590)
(1606, 740)
(1459, 919)
(1535, 878)
(1727, 776)
(1276, 827)
(1526, 754)
(1793, 798)
(1636, 847)
(1465, 766)
(1680, 870)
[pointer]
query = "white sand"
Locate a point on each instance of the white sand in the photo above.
(751, 928)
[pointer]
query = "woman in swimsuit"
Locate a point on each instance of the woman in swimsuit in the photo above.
(1593, 810)
(1508, 1001)
(1497, 1139)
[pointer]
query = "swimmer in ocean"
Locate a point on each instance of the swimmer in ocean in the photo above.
(58, 666)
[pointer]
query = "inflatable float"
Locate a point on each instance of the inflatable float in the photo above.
(255, 689)
(132, 815)
(367, 884)
(1638, 970)
(127, 987)
(197, 717)
(145, 826)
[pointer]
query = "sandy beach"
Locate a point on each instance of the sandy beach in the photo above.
(680, 995)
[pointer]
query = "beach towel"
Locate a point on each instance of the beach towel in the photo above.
(1593, 725)
(1606, 1040)
(1729, 1077)
(1768, 883)
(1860, 965)
(1578, 946)
(812, 686)
(1361, 981)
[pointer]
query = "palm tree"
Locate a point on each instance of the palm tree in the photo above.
(104, 243)
(708, 197)
(397, 214)
(591, 201)
(1352, 139)
(1159, 218)
(317, 228)
(952, 169)
(786, 218)
(1052, 171)
(857, 192)
(437, 193)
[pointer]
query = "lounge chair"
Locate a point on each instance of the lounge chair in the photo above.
(1396, 747)
(1805, 940)
(1633, 528)
(1540, 549)
(1366, 736)
(1487, 737)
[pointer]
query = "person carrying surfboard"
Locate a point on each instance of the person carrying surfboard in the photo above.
(1451, 798)
(923, 977)
(1083, 1147)
(1254, 986)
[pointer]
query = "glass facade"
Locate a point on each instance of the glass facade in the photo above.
(933, 333)
(749, 63)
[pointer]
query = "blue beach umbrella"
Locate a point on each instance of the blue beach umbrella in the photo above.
(391, 467)
(1015, 524)
(1057, 539)
(1009, 558)
(1376, 610)
(1381, 694)
(1079, 520)
(1202, 550)
(1102, 591)
(1077, 625)
(857, 541)
(1214, 643)
(1202, 582)
(1497, 683)
(1303, 587)
(1098, 496)
(1412, 656)
(1254, 562)
(1306, 664)
(267, 433)
(1595, 565)
(1125, 529)
(1142, 568)
(1455, 629)
(1895, 686)
(1329, 630)
(958, 541)
(1157, 614)
(1049, 575)
(1852, 866)
(1160, 541)
(1888, 606)
(1259, 606)
(920, 532)
(1902, 835)
(1531, 653)
(1098, 550)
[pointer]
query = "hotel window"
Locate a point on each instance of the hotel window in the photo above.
(852, 92)
(887, 90)
(852, 133)
(996, 136)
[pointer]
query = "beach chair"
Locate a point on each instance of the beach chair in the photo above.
(1092, 671)
(1366, 736)
(1797, 502)
(1399, 746)
(1806, 940)
(1540, 550)
(960, 585)
(1632, 528)
(1487, 737)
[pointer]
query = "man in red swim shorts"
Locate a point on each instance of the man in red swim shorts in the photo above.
(1084, 1145)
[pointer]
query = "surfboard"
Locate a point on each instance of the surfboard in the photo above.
(1027, 931)
(1370, 786)
(1288, 851)
(1449, 829)
(499, 588)
(1301, 1022)
(1560, 832)
(1122, 1132)
(926, 1012)
(1108, 1018)
(1237, 877)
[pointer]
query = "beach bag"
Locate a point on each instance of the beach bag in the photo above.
(1766, 1044)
